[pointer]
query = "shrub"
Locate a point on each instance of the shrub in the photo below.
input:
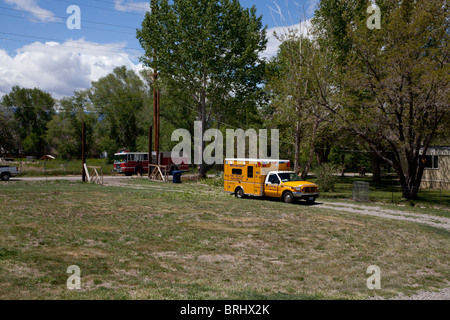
(327, 176)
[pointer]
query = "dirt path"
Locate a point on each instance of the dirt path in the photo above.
(443, 294)
(435, 221)
(439, 222)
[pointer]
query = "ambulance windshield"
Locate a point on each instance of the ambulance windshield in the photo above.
(289, 176)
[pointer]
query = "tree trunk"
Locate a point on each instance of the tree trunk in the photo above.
(376, 169)
(323, 154)
(412, 179)
(203, 168)
(312, 149)
(297, 148)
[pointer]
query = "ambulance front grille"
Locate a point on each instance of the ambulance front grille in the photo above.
(309, 189)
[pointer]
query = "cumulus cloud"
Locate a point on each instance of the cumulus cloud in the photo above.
(132, 6)
(61, 68)
(32, 7)
(274, 43)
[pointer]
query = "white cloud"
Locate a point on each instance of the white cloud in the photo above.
(273, 43)
(32, 7)
(132, 6)
(61, 68)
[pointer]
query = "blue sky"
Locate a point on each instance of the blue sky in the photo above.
(38, 50)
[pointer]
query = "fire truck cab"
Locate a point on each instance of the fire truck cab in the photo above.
(267, 178)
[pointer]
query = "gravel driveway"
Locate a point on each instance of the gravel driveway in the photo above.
(439, 222)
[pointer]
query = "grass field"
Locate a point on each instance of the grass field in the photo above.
(58, 167)
(388, 191)
(192, 241)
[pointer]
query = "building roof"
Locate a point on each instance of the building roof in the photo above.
(438, 151)
(48, 157)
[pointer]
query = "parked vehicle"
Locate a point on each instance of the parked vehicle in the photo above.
(269, 178)
(6, 172)
(130, 163)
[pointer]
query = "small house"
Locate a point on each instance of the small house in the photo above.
(437, 169)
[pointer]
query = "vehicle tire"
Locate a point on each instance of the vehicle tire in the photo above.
(239, 193)
(310, 202)
(128, 174)
(288, 197)
(5, 176)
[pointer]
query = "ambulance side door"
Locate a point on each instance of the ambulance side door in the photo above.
(272, 185)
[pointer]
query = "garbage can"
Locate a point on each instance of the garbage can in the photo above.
(177, 176)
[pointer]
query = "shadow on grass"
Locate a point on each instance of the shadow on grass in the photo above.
(252, 295)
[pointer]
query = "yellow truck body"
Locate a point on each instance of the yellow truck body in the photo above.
(266, 178)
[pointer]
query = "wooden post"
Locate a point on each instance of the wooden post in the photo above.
(83, 151)
(156, 115)
(156, 93)
(150, 147)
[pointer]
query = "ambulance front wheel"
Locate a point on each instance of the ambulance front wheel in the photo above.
(288, 197)
(239, 193)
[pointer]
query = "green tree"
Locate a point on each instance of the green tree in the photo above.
(122, 102)
(299, 84)
(9, 140)
(207, 53)
(331, 24)
(33, 109)
(396, 85)
(65, 129)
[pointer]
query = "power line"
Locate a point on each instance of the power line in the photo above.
(123, 5)
(57, 22)
(51, 106)
(64, 18)
(70, 46)
(102, 8)
(74, 41)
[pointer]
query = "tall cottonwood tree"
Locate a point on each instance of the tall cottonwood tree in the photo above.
(299, 81)
(32, 110)
(206, 51)
(396, 85)
(9, 140)
(64, 131)
(121, 100)
(290, 87)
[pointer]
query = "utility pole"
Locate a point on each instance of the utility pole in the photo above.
(83, 150)
(156, 115)
(150, 138)
(156, 96)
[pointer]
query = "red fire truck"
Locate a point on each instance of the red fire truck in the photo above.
(130, 163)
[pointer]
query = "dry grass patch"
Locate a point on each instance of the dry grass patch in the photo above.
(183, 243)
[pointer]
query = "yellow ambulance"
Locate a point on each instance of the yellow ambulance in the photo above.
(267, 178)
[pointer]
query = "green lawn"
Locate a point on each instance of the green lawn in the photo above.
(388, 191)
(58, 167)
(191, 241)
